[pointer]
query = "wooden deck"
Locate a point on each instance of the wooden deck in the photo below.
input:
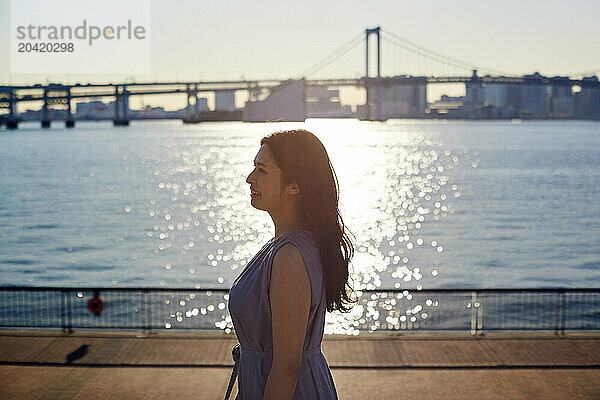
(113, 365)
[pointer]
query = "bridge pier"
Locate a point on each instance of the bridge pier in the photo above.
(12, 122)
(125, 103)
(192, 114)
(69, 123)
(45, 119)
(187, 109)
(121, 117)
(196, 105)
(373, 104)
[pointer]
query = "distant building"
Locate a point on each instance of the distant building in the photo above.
(31, 115)
(491, 100)
(474, 93)
(563, 107)
(562, 102)
(94, 110)
(447, 107)
(587, 101)
(150, 112)
(322, 102)
(547, 100)
(494, 94)
(400, 97)
(284, 103)
(36, 115)
(535, 97)
(404, 100)
(501, 100)
(513, 101)
(200, 106)
(225, 100)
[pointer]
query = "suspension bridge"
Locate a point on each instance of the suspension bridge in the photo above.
(400, 92)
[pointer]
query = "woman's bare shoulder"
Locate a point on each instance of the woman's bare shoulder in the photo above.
(289, 268)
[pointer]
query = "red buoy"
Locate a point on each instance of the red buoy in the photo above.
(95, 304)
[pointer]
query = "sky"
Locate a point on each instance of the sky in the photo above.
(231, 39)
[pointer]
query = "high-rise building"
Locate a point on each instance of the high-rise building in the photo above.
(513, 100)
(324, 102)
(494, 95)
(400, 100)
(285, 102)
(225, 100)
(474, 92)
(562, 101)
(587, 101)
(94, 110)
(535, 97)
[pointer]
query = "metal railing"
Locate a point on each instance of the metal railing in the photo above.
(403, 311)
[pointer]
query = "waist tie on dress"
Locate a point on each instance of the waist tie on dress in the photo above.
(269, 354)
(235, 354)
(237, 351)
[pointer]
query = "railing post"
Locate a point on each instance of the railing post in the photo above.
(69, 313)
(63, 311)
(142, 312)
(560, 314)
(479, 306)
(557, 313)
(148, 312)
(473, 313)
(563, 308)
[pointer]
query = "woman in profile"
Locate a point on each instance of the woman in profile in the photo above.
(278, 302)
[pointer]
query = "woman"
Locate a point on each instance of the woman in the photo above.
(278, 302)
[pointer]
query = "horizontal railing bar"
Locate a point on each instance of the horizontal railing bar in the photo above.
(159, 327)
(485, 290)
(133, 308)
(180, 289)
(111, 289)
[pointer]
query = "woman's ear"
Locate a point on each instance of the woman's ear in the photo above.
(293, 189)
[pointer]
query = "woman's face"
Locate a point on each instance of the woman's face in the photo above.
(265, 179)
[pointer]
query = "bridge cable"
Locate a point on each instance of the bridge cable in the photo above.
(339, 52)
(437, 57)
(440, 57)
(426, 55)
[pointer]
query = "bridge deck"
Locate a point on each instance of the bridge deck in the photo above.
(176, 365)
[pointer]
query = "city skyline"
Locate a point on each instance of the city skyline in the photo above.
(489, 97)
(532, 37)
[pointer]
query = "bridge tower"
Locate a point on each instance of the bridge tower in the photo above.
(369, 32)
(373, 103)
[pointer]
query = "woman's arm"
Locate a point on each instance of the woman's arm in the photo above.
(289, 295)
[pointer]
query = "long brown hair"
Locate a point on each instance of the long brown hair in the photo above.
(302, 158)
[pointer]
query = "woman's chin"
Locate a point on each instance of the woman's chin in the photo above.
(254, 203)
